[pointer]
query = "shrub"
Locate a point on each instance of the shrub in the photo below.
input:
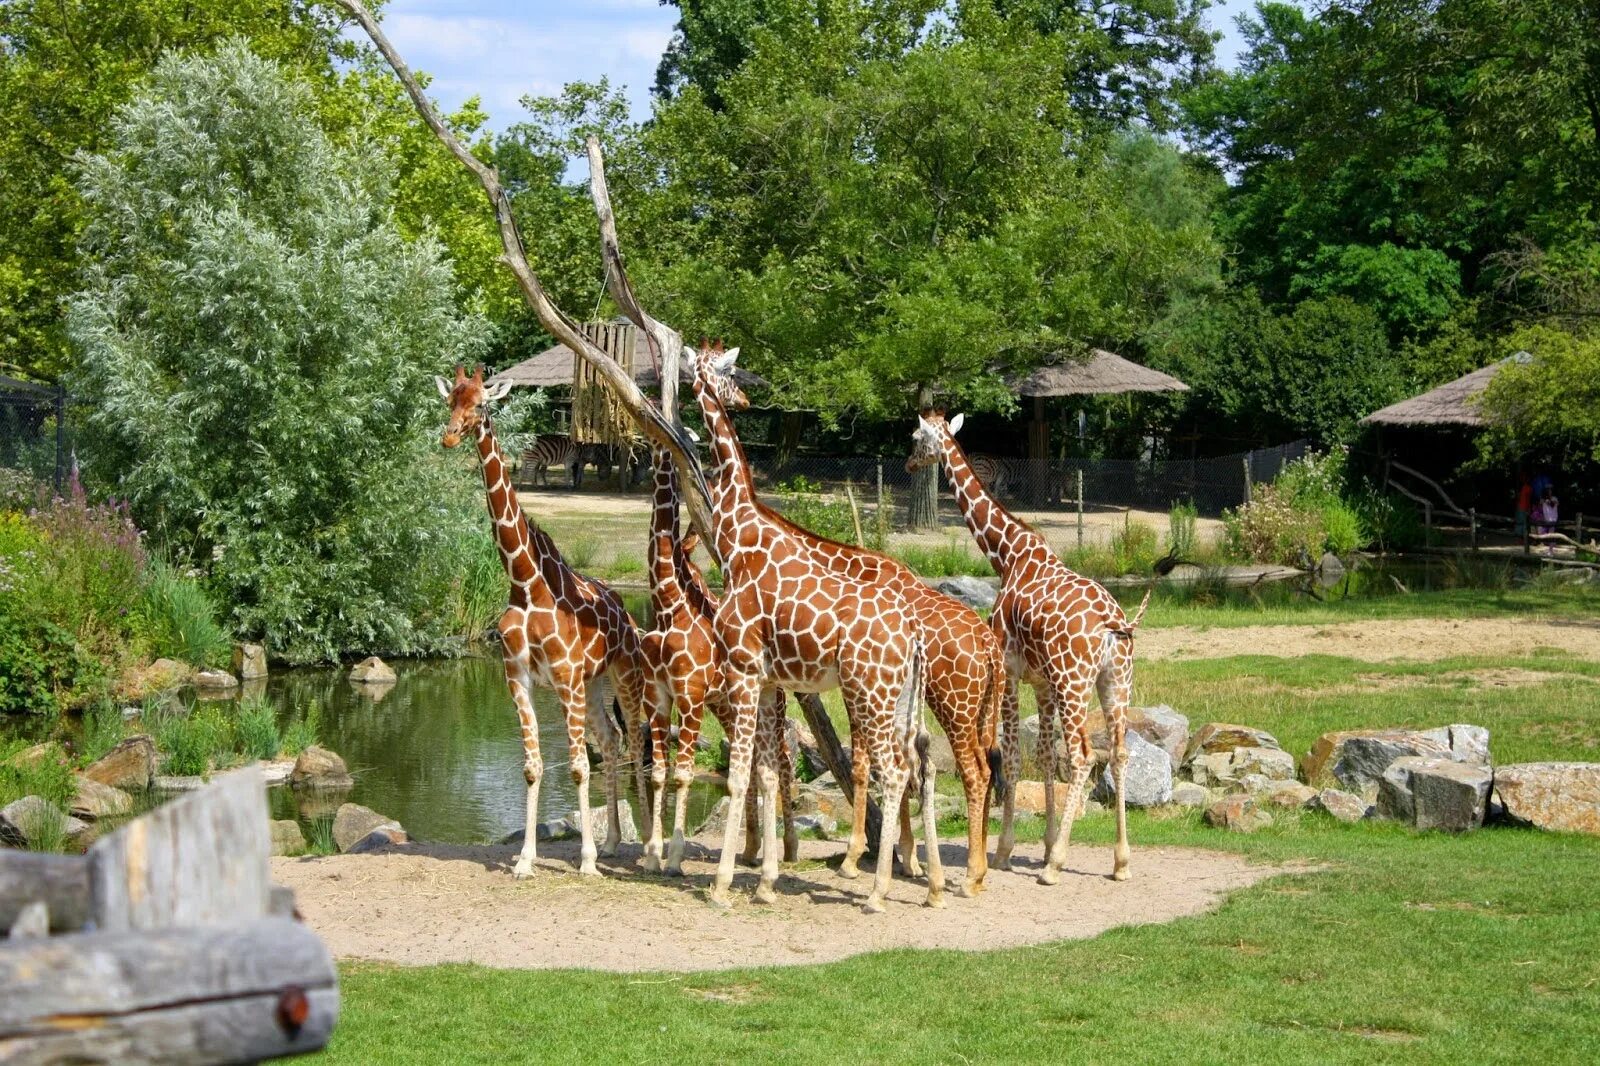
(1182, 520)
(1303, 513)
(48, 777)
(103, 729)
(1135, 548)
(181, 620)
(184, 741)
(581, 551)
(319, 837)
(302, 731)
(951, 559)
(257, 729)
(803, 503)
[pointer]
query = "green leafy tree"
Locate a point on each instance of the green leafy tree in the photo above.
(1549, 403)
(256, 337)
(65, 66)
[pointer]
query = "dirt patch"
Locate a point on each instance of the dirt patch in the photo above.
(1378, 641)
(427, 904)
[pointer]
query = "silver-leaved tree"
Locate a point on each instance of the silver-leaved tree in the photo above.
(256, 341)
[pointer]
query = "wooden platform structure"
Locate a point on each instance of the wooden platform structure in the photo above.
(166, 943)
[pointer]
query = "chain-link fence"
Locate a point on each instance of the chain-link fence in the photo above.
(1151, 485)
(33, 431)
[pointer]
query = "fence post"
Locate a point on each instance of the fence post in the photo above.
(1579, 537)
(1080, 506)
(882, 515)
(1427, 520)
(1247, 477)
(1472, 517)
(61, 436)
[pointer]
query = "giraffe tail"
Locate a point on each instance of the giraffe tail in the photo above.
(1138, 616)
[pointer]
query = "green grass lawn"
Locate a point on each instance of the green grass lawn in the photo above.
(1174, 606)
(1385, 945)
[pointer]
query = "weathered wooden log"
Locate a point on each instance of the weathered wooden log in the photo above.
(833, 754)
(62, 881)
(199, 860)
(211, 995)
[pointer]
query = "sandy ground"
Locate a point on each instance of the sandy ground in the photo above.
(426, 904)
(1378, 641)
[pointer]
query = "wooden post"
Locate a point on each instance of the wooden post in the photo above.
(1472, 518)
(832, 752)
(1247, 477)
(1579, 529)
(1080, 506)
(1427, 521)
(62, 881)
(855, 513)
(883, 512)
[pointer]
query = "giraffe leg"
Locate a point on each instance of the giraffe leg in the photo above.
(1114, 685)
(791, 838)
(859, 776)
(930, 826)
(1074, 706)
(908, 840)
(691, 704)
(750, 854)
(892, 770)
(518, 680)
(658, 710)
(744, 698)
(605, 731)
(974, 769)
(574, 704)
(629, 681)
(767, 770)
(1047, 765)
(1011, 765)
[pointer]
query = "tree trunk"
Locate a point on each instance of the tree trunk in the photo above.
(922, 509)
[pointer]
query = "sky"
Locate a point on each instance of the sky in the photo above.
(501, 50)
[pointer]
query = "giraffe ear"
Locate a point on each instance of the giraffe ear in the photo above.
(497, 390)
(691, 434)
(731, 355)
(955, 423)
(444, 387)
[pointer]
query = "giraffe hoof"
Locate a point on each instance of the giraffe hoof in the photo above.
(749, 859)
(970, 889)
(849, 871)
(523, 869)
(766, 894)
(719, 898)
(652, 864)
(873, 905)
(935, 902)
(673, 871)
(1120, 874)
(608, 850)
(588, 869)
(791, 849)
(1002, 861)
(1049, 877)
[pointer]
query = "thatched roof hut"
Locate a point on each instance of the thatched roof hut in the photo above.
(552, 369)
(1103, 373)
(1454, 403)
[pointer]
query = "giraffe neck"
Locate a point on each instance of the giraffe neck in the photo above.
(511, 533)
(733, 496)
(664, 497)
(992, 526)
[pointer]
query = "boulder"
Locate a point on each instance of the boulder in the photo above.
(178, 782)
(319, 768)
(130, 765)
(1147, 779)
(551, 829)
(354, 823)
(30, 818)
(1287, 795)
(1189, 794)
(28, 758)
(215, 680)
(1163, 727)
(1355, 759)
(371, 671)
(249, 661)
(1434, 792)
(1345, 806)
(976, 592)
(1237, 813)
(166, 674)
(1221, 769)
(1563, 796)
(1030, 797)
(597, 822)
(1214, 737)
(715, 821)
(276, 772)
(943, 755)
(286, 837)
(94, 801)
(379, 839)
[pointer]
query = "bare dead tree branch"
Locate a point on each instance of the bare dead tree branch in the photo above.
(650, 419)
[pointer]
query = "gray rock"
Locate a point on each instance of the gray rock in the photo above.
(130, 765)
(355, 822)
(276, 772)
(1216, 737)
(378, 840)
(597, 822)
(1189, 794)
(31, 818)
(178, 782)
(822, 823)
(249, 661)
(93, 800)
(1221, 769)
(1163, 727)
(32, 922)
(372, 671)
(715, 821)
(1147, 779)
(1288, 795)
(1562, 796)
(1355, 760)
(976, 592)
(215, 680)
(319, 768)
(1345, 806)
(944, 756)
(1237, 813)
(551, 829)
(1434, 792)
(287, 839)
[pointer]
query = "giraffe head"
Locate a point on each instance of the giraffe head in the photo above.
(927, 441)
(713, 368)
(467, 399)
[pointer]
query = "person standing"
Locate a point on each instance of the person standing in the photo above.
(1546, 513)
(1524, 502)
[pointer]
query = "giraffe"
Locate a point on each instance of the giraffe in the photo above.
(1063, 634)
(964, 684)
(560, 629)
(680, 653)
(787, 619)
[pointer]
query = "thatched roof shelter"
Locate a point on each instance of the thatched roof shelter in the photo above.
(552, 369)
(1103, 373)
(1454, 403)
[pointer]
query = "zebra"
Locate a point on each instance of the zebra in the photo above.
(996, 473)
(558, 449)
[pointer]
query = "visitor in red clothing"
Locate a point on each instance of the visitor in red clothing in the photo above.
(1524, 502)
